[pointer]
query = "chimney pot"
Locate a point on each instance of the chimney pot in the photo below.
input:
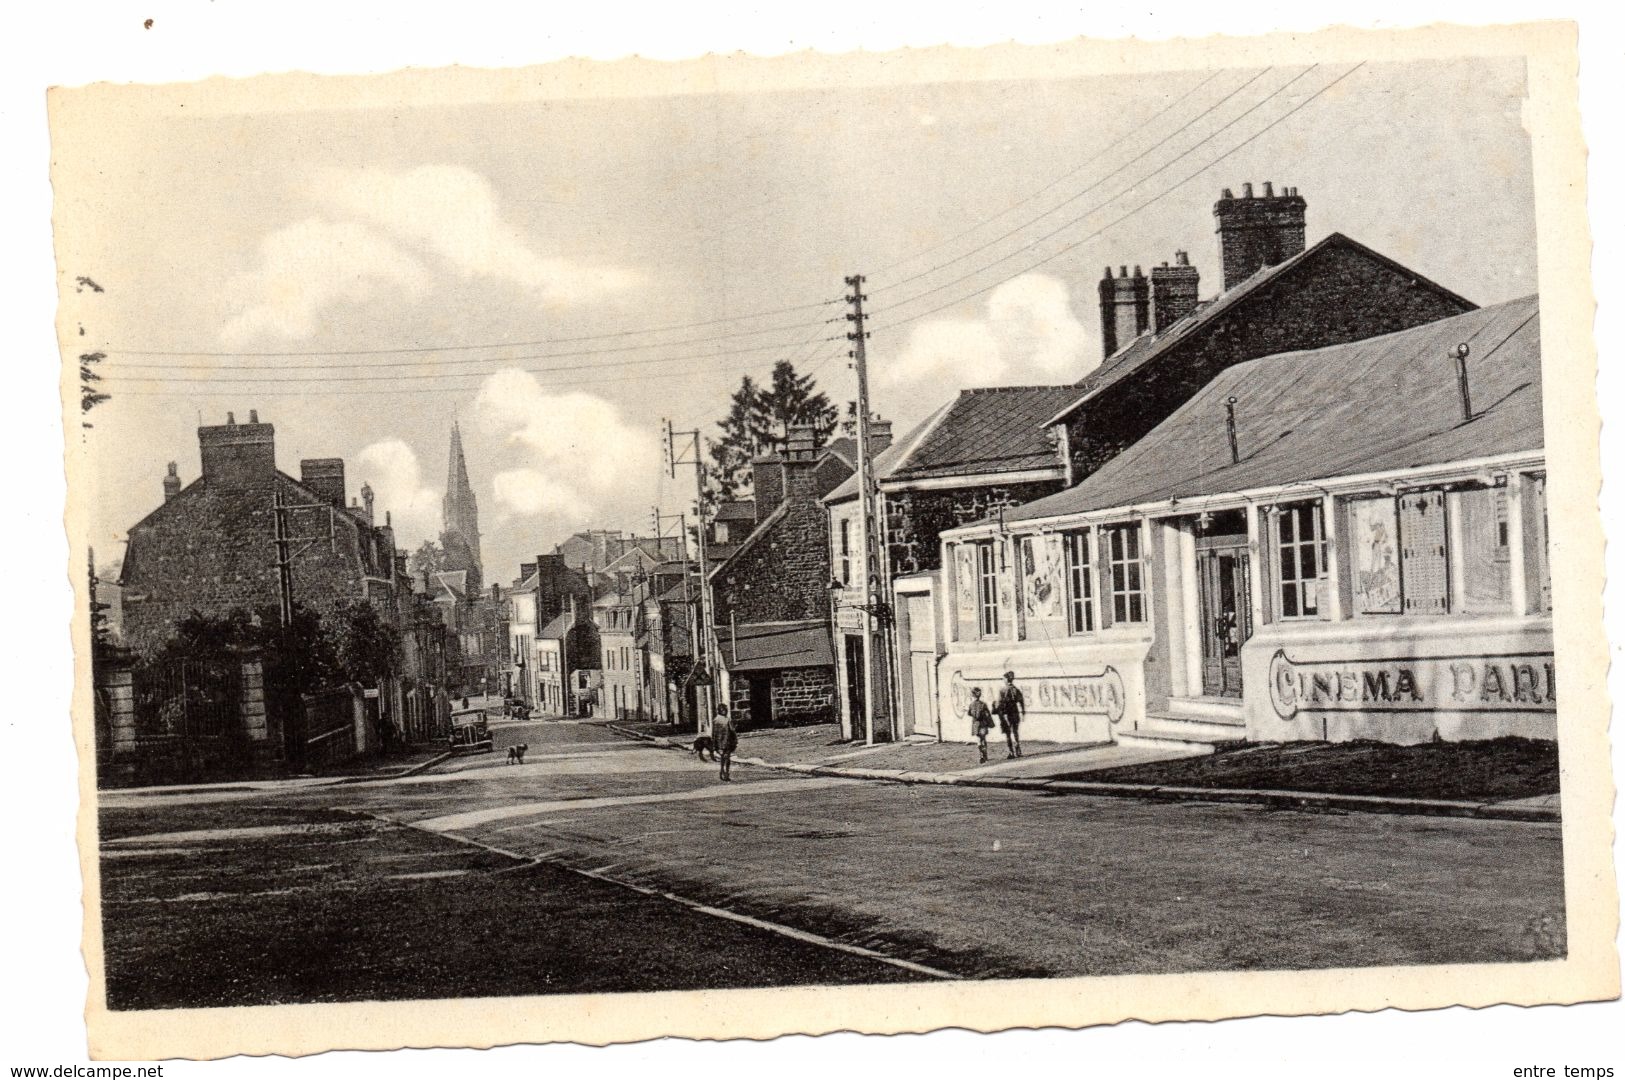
(1226, 194)
(231, 419)
(1247, 191)
(1182, 258)
(1108, 273)
(1258, 233)
(1122, 271)
(1269, 189)
(253, 416)
(1138, 272)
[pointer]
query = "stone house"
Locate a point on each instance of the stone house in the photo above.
(211, 545)
(772, 591)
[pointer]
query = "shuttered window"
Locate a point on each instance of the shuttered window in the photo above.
(1424, 557)
(1480, 550)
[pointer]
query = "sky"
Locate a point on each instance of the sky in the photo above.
(364, 276)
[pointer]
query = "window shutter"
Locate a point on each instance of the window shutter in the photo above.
(1422, 553)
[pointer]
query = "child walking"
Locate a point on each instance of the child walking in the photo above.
(981, 719)
(726, 739)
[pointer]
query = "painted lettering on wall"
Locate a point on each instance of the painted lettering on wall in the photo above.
(1095, 694)
(1511, 682)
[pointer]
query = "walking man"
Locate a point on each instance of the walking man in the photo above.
(726, 739)
(1012, 709)
(981, 720)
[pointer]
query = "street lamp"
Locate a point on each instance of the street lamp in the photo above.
(881, 610)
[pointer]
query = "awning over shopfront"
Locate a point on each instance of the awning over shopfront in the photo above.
(771, 646)
(1384, 404)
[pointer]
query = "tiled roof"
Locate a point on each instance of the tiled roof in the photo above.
(736, 510)
(986, 430)
(888, 459)
(993, 429)
(1147, 347)
(773, 645)
(1382, 404)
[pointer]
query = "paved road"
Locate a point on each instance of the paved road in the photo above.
(482, 863)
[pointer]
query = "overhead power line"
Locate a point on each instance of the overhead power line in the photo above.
(414, 349)
(1142, 155)
(1115, 221)
(325, 374)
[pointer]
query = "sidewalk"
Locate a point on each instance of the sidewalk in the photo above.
(1060, 768)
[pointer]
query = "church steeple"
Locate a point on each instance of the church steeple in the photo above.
(460, 515)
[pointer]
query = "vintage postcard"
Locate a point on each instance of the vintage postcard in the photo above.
(987, 538)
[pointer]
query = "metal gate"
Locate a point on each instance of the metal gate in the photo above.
(187, 703)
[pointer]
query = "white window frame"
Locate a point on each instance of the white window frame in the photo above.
(1296, 585)
(987, 589)
(1121, 592)
(1082, 616)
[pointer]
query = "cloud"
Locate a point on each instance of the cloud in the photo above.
(391, 468)
(531, 493)
(304, 268)
(453, 212)
(1027, 333)
(580, 458)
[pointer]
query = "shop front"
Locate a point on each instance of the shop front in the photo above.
(1388, 579)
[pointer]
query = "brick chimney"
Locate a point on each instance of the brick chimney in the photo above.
(1258, 231)
(767, 483)
(1173, 291)
(324, 476)
(238, 455)
(172, 483)
(1125, 308)
(879, 435)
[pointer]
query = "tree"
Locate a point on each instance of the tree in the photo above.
(427, 559)
(367, 648)
(758, 420)
(727, 475)
(794, 399)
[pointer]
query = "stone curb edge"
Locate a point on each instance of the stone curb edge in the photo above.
(1289, 800)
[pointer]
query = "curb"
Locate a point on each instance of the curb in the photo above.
(1281, 800)
(424, 766)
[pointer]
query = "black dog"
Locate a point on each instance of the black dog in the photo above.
(704, 746)
(516, 754)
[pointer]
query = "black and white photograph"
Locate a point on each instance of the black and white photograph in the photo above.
(986, 538)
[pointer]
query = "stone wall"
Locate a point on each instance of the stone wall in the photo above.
(1339, 295)
(804, 696)
(798, 695)
(916, 520)
(212, 548)
(783, 575)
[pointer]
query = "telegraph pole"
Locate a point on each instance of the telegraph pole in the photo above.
(674, 457)
(872, 586)
(284, 561)
(284, 547)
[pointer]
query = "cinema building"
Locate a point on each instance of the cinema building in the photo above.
(1339, 543)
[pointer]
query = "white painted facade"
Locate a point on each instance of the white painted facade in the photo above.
(1401, 607)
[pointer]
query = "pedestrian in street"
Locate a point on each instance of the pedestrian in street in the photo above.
(726, 739)
(981, 720)
(1012, 708)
